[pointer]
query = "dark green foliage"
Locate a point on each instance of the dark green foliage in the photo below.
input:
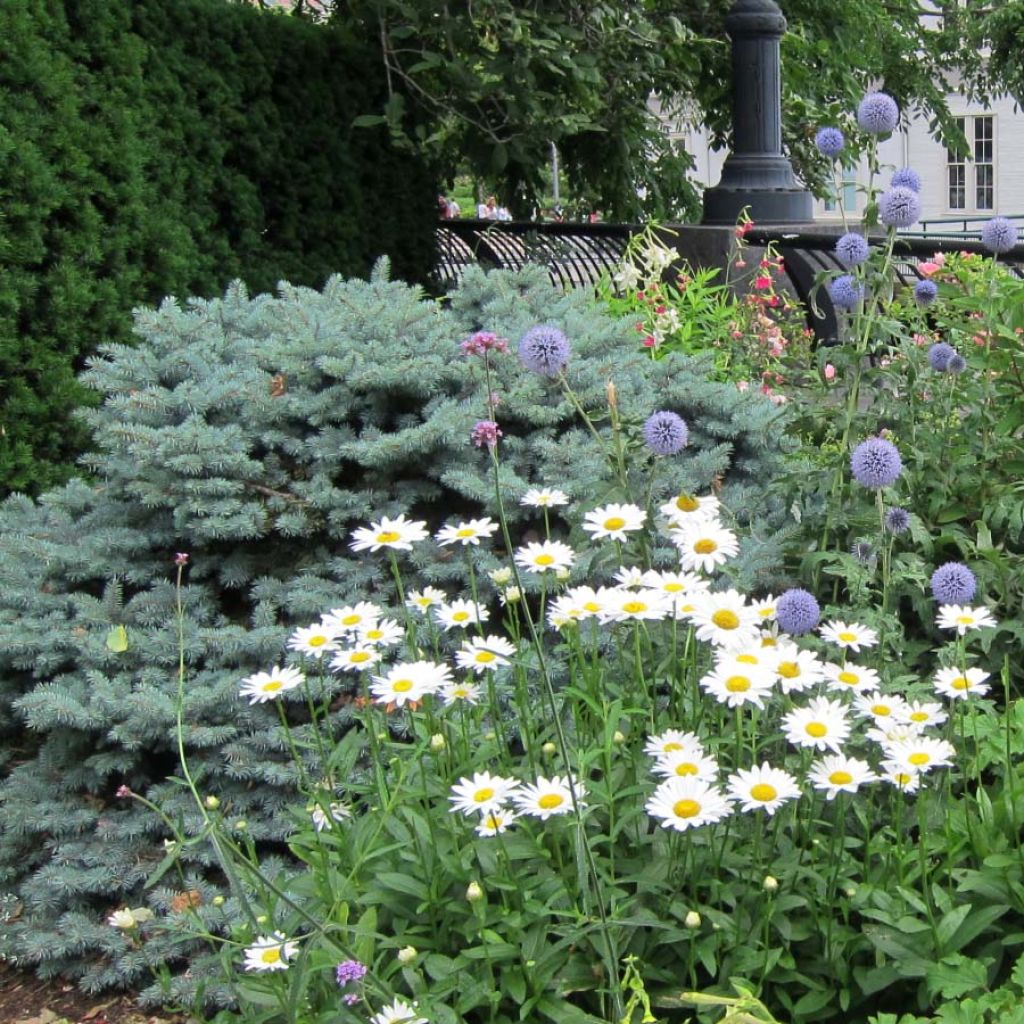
(169, 146)
(255, 434)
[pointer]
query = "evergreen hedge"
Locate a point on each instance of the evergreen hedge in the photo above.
(171, 146)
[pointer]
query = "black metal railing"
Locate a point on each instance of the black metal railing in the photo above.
(957, 227)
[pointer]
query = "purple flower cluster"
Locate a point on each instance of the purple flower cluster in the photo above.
(939, 356)
(544, 349)
(876, 463)
(878, 113)
(906, 177)
(483, 341)
(797, 611)
(666, 433)
(852, 249)
(998, 235)
(349, 972)
(926, 292)
(897, 520)
(830, 142)
(953, 583)
(845, 292)
(899, 207)
(486, 432)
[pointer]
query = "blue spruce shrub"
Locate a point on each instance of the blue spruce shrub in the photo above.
(255, 434)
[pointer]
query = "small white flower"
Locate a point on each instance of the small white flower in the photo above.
(763, 788)
(546, 798)
(957, 685)
(483, 792)
(127, 919)
(454, 693)
(923, 713)
(579, 603)
(324, 820)
(686, 763)
(736, 685)
(724, 618)
(853, 636)
(396, 534)
(684, 803)
(548, 555)
(385, 633)
(270, 953)
(409, 682)
(544, 497)
(901, 777)
(704, 545)
(797, 670)
(684, 509)
(264, 686)
(501, 577)
(614, 521)
(673, 741)
(629, 576)
(822, 725)
(314, 641)
(621, 604)
(460, 613)
(963, 617)
(399, 1012)
(839, 774)
(851, 678)
(889, 732)
(470, 532)
(483, 653)
(921, 753)
(495, 821)
(425, 599)
(627, 278)
(355, 659)
(883, 709)
(350, 618)
(677, 586)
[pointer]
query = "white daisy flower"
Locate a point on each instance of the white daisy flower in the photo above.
(579, 603)
(270, 953)
(264, 686)
(454, 693)
(622, 604)
(460, 613)
(351, 617)
(923, 714)
(544, 497)
(470, 532)
(765, 608)
(921, 753)
(123, 919)
(355, 659)
(963, 617)
(614, 521)
(821, 725)
(850, 678)
(629, 576)
(798, 670)
(837, 774)
(684, 509)
(755, 656)
(409, 682)
(495, 821)
(889, 732)
(705, 545)
(901, 777)
(313, 641)
(483, 792)
(483, 653)
(501, 577)
(684, 763)
(688, 803)
(423, 600)
(546, 798)
(852, 636)
(546, 556)
(724, 618)
(672, 741)
(399, 1012)
(675, 585)
(763, 788)
(739, 684)
(957, 685)
(385, 633)
(325, 819)
(883, 709)
(395, 534)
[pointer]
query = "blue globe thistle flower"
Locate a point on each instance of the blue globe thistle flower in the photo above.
(863, 552)
(830, 142)
(926, 292)
(906, 177)
(797, 611)
(956, 364)
(665, 433)
(845, 292)
(878, 113)
(998, 235)
(876, 463)
(953, 583)
(897, 520)
(899, 207)
(852, 249)
(939, 356)
(544, 349)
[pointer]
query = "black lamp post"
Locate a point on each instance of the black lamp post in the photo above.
(756, 174)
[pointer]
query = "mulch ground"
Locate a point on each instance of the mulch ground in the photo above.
(24, 999)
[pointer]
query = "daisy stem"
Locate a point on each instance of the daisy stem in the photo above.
(325, 765)
(922, 856)
(638, 661)
(179, 722)
(290, 740)
(471, 572)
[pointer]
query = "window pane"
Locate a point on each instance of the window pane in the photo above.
(984, 187)
(957, 187)
(954, 156)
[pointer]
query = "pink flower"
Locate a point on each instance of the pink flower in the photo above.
(181, 558)
(939, 258)
(650, 341)
(481, 342)
(123, 793)
(740, 263)
(762, 282)
(486, 432)
(742, 385)
(928, 268)
(830, 372)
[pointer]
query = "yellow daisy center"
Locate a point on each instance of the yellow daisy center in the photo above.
(840, 778)
(465, 532)
(672, 746)
(485, 657)
(351, 620)
(737, 684)
(388, 537)
(460, 616)
(549, 801)
(317, 641)
(961, 683)
(674, 588)
(763, 792)
(544, 559)
(685, 503)
(850, 678)
(747, 659)
(881, 709)
(271, 956)
(920, 716)
(481, 796)
(769, 641)
(634, 607)
(614, 523)
(358, 657)
(965, 620)
(273, 686)
(686, 808)
(402, 685)
(686, 768)
(725, 619)
(919, 759)
(847, 637)
(815, 729)
(592, 606)
(789, 669)
(374, 634)
(705, 546)
(903, 778)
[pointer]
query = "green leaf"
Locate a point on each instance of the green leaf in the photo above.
(117, 640)
(956, 976)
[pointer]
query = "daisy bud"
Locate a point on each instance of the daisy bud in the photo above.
(513, 594)
(262, 919)
(692, 920)
(549, 748)
(474, 893)
(437, 742)
(770, 884)
(501, 577)
(851, 891)
(618, 737)
(241, 826)
(212, 803)
(562, 575)
(407, 954)
(218, 901)
(611, 394)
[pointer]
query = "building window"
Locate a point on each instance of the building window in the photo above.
(971, 184)
(849, 193)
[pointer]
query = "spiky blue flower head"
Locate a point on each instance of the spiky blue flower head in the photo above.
(878, 113)
(956, 364)
(926, 292)
(939, 356)
(899, 207)
(797, 612)
(845, 291)
(953, 583)
(544, 349)
(897, 520)
(852, 249)
(863, 552)
(666, 433)
(998, 235)
(906, 177)
(876, 463)
(830, 142)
